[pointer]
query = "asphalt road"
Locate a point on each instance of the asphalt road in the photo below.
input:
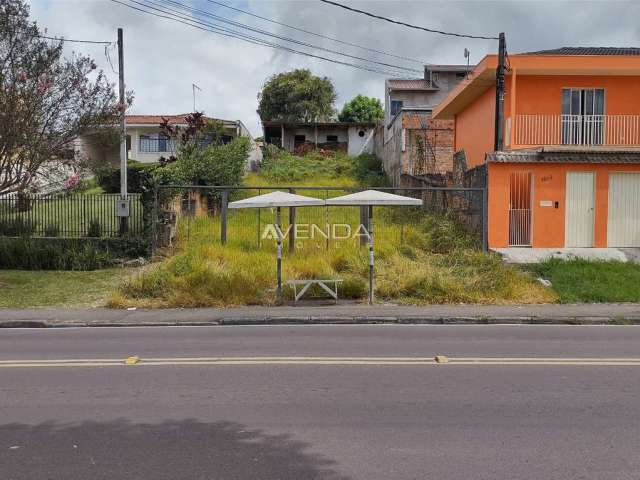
(314, 421)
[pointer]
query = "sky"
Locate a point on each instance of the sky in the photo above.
(164, 58)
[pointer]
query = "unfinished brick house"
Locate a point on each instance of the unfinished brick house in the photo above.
(410, 143)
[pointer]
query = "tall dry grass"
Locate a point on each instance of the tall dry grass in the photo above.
(435, 263)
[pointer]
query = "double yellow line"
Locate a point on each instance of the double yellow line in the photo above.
(328, 361)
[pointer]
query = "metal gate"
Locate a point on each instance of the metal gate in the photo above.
(520, 209)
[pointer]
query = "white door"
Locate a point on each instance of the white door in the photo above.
(578, 225)
(623, 224)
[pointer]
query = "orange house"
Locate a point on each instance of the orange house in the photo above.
(569, 173)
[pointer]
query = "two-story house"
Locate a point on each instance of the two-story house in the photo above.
(569, 172)
(409, 142)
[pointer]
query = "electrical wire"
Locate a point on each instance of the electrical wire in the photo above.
(62, 39)
(404, 24)
(316, 34)
(168, 4)
(253, 40)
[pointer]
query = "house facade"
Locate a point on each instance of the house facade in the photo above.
(410, 142)
(353, 138)
(147, 144)
(569, 172)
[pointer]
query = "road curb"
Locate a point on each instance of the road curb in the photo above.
(332, 320)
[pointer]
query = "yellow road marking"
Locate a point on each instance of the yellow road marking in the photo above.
(337, 361)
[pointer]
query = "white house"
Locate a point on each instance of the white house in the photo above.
(351, 137)
(147, 144)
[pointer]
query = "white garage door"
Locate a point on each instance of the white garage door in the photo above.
(623, 225)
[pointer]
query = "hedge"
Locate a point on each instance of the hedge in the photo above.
(67, 253)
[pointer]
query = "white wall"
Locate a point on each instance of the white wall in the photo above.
(360, 144)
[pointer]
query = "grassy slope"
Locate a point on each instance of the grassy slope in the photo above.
(435, 263)
(592, 281)
(21, 289)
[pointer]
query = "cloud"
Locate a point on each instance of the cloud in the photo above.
(163, 58)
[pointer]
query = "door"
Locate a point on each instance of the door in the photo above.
(623, 224)
(579, 209)
(520, 209)
(582, 116)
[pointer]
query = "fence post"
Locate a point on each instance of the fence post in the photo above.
(154, 221)
(223, 217)
(485, 218)
(364, 220)
(292, 223)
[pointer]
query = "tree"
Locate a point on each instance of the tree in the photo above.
(199, 133)
(362, 109)
(297, 96)
(46, 101)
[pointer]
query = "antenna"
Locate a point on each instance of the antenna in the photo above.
(467, 54)
(193, 87)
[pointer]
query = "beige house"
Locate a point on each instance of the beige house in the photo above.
(147, 144)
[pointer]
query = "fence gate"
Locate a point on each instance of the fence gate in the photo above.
(520, 209)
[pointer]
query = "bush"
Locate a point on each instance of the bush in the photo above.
(95, 228)
(66, 254)
(51, 230)
(212, 165)
(138, 177)
(16, 227)
(368, 169)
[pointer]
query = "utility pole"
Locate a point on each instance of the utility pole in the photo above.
(498, 144)
(194, 87)
(123, 207)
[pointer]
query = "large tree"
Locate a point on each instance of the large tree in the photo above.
(46, 101)
(297, 96)
(362, 109)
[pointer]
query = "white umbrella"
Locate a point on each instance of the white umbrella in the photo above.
(277, 200)
(371, 198)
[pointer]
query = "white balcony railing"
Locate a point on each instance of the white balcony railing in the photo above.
(545, 129)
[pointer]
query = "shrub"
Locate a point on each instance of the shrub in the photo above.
(94, 229)
(66, 254)
(16, 227)
(138, 177)
(51, 230)
(368, 169)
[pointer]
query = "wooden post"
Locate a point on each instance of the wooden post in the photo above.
(371, 259)
(278, 256)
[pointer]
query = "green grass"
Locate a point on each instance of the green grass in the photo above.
(23, 289)
(592, 281)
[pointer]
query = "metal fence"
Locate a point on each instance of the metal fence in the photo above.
(62, 215)
(194, 211)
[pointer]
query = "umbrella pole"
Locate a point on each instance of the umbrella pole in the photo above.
(371, 258)
(279, 256)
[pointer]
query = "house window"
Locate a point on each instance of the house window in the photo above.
(299, 140)
(156, 143)
(396, 106)
(582, 116)
(332, 139)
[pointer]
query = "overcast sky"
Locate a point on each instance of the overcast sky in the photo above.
(163, 58)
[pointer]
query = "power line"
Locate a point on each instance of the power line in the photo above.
(316, 34)
(164, 3)
(397, 22)
(219, 31)
(62, 39)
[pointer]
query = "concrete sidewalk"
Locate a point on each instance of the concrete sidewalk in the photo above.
(581, 314)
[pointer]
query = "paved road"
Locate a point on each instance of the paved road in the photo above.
(295, 421)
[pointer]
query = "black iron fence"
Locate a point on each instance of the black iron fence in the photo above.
(63, 215)
(202, 212)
